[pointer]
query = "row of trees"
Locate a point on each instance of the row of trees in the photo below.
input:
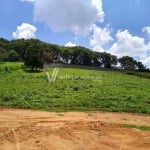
(35, 53)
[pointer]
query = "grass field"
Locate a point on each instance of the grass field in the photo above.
(88, 90)
(144, 128)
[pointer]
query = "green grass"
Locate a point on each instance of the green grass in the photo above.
(112, 91)
(9, 67)
(139, 74)
(143, 128)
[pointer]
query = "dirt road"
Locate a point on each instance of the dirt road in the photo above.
(37, 130)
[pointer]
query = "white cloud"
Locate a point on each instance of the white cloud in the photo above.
(128, 45)
(146, 29)
(75, 15)
(100, 37)
(146, 62)
(70, 44)
(25, 31)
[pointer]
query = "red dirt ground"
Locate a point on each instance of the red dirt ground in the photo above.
(38, 130)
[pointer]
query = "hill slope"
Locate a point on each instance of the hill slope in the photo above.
(75, 89)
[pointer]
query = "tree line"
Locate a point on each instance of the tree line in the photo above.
(35, 53)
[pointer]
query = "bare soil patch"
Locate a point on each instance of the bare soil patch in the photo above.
(37, 130)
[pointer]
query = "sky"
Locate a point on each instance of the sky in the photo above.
(120, 27)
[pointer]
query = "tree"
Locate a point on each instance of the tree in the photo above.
(13, 55)
(55, 52)
(66, 55)
(34, 52)
(48, 57)
(3, 54)
(127, 63)
(140, 66)
(34, 57)
(108, 60)
(4, 43)
(114, 60)
(81, 56)
(87, 58)
(20, 46)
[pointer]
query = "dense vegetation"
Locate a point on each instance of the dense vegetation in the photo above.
(35, 53)
(10, 67)
(104, 90)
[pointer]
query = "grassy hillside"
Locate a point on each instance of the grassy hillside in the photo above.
(8, 67)
(82, 90)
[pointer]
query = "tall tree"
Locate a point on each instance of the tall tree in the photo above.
(66, 55)
(140, 66)
(34, 57)
(127, 63)
(108, 60)
(19, 46)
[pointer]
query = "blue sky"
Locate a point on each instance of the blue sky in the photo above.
(121, 27)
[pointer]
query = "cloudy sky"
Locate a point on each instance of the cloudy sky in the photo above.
(121, 27)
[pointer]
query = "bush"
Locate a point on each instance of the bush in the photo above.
(75, 88)
(9, 67)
